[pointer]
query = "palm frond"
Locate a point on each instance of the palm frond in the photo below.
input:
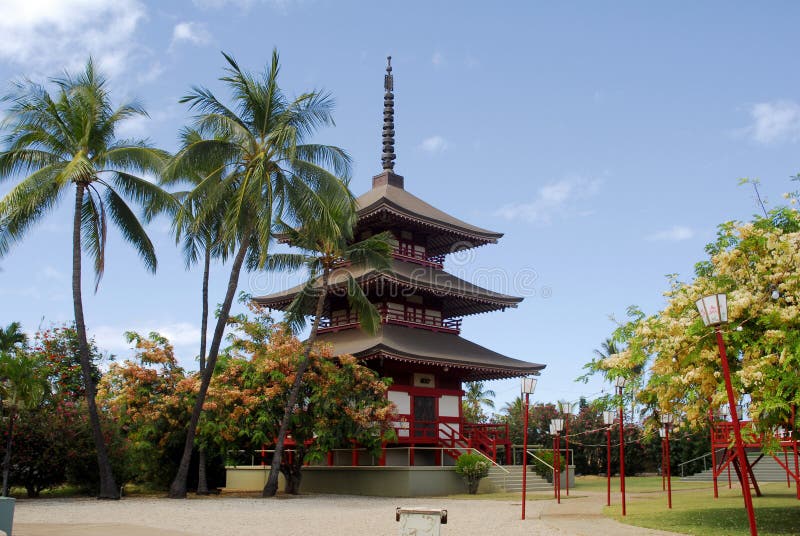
(27, 203)
(94, 231)
(148, 195)
(367, 313)
(131, 229)
(302, 305)
(374, 252)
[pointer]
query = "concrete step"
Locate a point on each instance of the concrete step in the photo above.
(511, 481)
(766, 470)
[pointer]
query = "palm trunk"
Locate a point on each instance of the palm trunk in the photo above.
(271, 487)
(7, 458)
(202, 479)
(108, 486)
(178, 488)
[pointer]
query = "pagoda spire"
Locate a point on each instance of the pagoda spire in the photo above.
(388, 156)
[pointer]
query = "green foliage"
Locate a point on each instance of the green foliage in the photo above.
(472, 467)
(57, 348)
(149, 398)
(65, 139)
(542, 464)
(475, 399)
(339, 401)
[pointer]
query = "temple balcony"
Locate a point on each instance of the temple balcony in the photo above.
(409, 253)
(415, 319)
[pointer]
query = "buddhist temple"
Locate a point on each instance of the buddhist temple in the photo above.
(421, 307)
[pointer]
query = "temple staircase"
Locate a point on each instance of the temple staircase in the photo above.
(508, 478)
(766, 470)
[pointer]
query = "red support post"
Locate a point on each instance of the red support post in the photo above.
(555, 475)
(713, 454)
(566, 452)
(748, 499)
(525, 454)
(669, 470)
(608, 465)
(730, 484)
(558, 467)
(622, 452)
(663, 469)
(794, 448)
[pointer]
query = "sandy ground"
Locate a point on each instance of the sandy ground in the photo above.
(306, 515)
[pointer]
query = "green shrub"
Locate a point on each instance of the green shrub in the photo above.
(473, 467)
(540, 467)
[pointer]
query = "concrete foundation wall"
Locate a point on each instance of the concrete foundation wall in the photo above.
(374, 481)
(249, 478)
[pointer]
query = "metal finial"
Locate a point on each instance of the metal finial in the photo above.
(388, 156)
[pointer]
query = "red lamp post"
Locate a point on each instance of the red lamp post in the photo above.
(608, 420)
(662, 434)
(619, 382)
(566, 409)
(528, 387)
(714, 312)
(666, 420)
(556, 425)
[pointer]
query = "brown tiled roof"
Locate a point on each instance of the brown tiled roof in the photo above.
(460, 297)
(386, 198)
(431, 348)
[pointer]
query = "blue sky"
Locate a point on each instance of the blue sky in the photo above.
(604, 139)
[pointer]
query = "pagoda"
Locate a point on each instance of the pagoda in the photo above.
(421, 307)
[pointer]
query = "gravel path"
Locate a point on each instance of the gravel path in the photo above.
(332, 515)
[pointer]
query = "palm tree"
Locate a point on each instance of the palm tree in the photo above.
(268, 169)
(327, 250)
(474, 400)
(21, 387)
(607, 349)
(68, 139)
(201, 241)
(11, 338)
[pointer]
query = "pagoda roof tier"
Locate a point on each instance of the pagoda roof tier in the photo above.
(459, 297)
(388, 198)
(430, 348)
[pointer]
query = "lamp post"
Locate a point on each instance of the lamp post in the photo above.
(528, 387)
(566, 409)
(662, 435)
(724, 413)
(666, 420)
(556, 426)
(608, 420)
(619, 383)
(714, 312)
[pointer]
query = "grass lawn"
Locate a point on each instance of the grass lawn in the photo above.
(695, 511)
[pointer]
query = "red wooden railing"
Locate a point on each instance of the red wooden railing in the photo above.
(406, 252)
(411, 318)
(487, 438)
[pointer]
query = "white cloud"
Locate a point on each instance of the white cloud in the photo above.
(151, 74)
(48, 272)
(140, 126)
(191, 32)
(434, 145)
(281, 5)
(775, 121)
(676, 233)
(553, 198)
(57, 34)
(437, 59)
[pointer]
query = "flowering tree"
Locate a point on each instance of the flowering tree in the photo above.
(756, 264)
(149, 398)
(340, 402)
